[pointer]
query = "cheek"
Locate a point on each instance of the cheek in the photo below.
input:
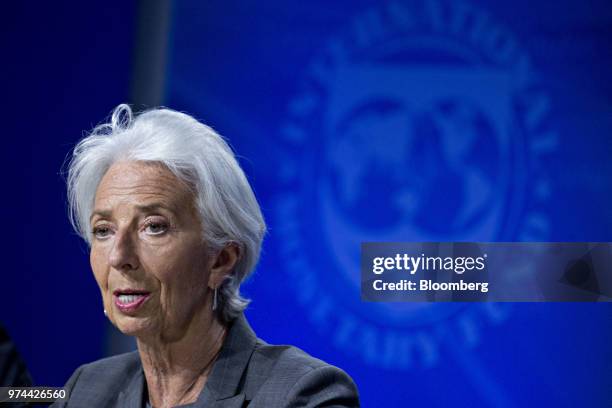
(181, 261)
(180, 275)
(98, 262)
(173, 272)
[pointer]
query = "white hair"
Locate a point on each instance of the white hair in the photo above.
(197, 155)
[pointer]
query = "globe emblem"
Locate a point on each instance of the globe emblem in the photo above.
(414, 164)
(419, 154)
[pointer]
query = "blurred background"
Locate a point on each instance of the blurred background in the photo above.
(355, 121)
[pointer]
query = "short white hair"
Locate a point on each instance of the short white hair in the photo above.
(197, 155)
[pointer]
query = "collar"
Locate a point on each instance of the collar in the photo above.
(224, 380)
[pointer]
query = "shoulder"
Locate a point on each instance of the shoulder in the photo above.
(283, 360)
(281, 375)
(101, 380)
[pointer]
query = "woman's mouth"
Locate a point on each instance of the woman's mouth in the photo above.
(128, 301)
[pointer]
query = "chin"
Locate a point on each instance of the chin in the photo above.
(133, 326)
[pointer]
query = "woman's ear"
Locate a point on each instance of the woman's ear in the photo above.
(224, 262)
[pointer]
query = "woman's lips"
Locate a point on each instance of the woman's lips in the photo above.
(128, 302)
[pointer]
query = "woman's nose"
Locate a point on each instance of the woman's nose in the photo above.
(123, 254)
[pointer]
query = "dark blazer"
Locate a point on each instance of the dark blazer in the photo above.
(248, 372)
(13, 371)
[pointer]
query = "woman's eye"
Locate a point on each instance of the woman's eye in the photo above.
(101, 232)
(156, 228)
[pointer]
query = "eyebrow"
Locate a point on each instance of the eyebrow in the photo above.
(141, 208)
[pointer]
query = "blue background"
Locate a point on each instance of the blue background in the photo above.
(422, 132)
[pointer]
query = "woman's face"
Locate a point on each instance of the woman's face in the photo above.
(147, 252)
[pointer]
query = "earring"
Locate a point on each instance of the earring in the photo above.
(214, 305)
(105, 314)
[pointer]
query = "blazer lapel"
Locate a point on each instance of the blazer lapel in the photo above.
(131, 395)
(223, 385)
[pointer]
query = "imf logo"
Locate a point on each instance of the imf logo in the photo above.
(422, 121)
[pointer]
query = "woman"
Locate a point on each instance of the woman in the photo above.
(174, 228)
